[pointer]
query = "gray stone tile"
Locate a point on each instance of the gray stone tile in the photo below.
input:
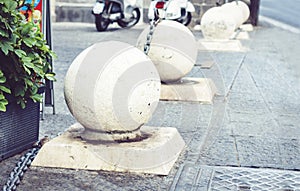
(222, 152)
(249, 102)
(259, 152)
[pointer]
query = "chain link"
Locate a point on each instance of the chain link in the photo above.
(25, 161)
(153, 24)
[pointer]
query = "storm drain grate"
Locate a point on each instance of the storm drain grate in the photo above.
(192, 177)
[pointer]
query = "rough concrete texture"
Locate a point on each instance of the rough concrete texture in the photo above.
(144, 156)
(119, 94)
(202, 90)
(172, 58)
(221, 22)
(247, 140)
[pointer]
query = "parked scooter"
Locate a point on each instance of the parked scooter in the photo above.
(124, 12)
(177, 10)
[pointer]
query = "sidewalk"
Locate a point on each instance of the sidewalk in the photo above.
(247, 140)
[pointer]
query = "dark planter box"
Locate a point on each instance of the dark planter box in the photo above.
(19, 128)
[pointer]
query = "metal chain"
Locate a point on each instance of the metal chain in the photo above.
(18, 172)
(153, 24)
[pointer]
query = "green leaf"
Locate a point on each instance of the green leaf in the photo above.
(28, 82)
(5, 47)
(28, 63)
(26, 28)
(4, 33)
(27, 70)
(11, 5)
(2, 107)
(22, 104)
(5, 89)
(34, 89)
(37, 97)
(3, 103)
(20, 53)
(50, 76)
(2, 79)
(29, 41)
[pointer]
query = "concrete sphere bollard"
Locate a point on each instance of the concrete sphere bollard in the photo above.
(221, 22)
(238, 10)
(173, 49)
(112, 89)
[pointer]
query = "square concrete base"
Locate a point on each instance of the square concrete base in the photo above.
(189, 89)
(247, 27)
(155, 153)
(240, 35)
(220, 45)
(207, 64)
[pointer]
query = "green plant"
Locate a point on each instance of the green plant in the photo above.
(24, 57)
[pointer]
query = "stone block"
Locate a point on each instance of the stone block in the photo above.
(221, 45)
(189, 89)
(155, 153)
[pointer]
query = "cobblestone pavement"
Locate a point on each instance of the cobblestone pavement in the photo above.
(248, 139)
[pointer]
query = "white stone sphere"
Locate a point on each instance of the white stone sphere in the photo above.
(221, 22)
(173, 49)
(217, 25)
(238, 10)
(112, 87)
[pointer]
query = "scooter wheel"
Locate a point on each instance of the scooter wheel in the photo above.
(186, 21)
(101, 23)
(133, 20)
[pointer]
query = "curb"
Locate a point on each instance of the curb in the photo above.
(279, 24)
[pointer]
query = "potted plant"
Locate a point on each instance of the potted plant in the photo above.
(24, 66)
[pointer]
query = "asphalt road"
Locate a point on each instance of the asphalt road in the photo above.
(287, 12)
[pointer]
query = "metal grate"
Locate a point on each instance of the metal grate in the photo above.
(259, 179)
(192, 177)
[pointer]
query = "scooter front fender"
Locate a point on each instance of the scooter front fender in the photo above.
(98, 8)
(190, 7)
(173, 10)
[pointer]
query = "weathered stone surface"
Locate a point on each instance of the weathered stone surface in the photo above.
(221, 22)
(119, 94)
(141, 156)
